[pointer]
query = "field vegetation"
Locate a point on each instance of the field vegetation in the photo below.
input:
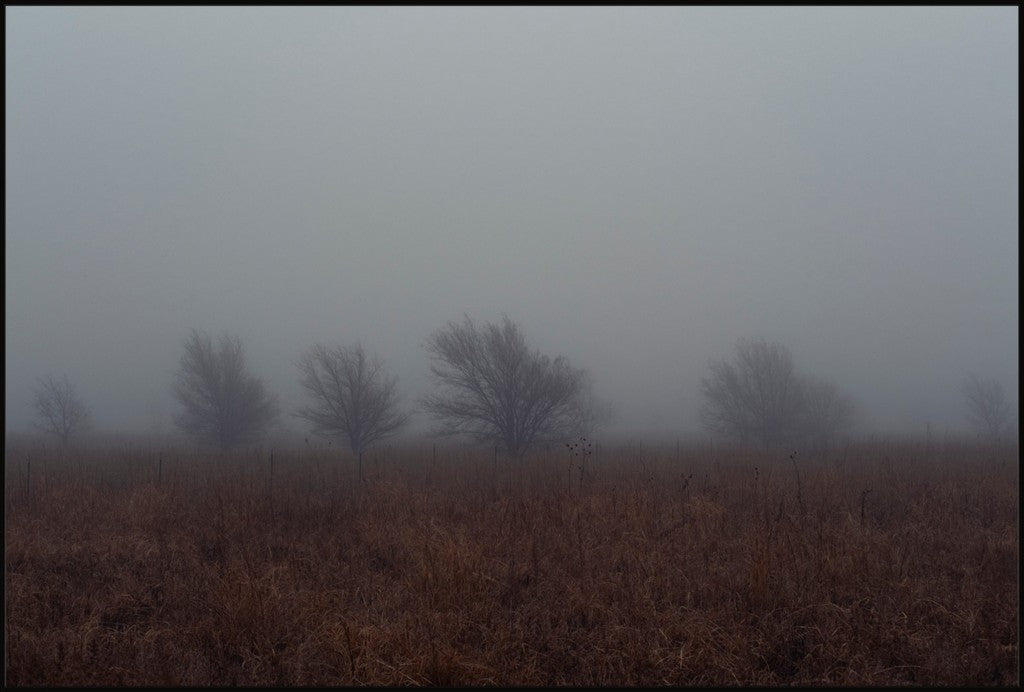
(872, 564)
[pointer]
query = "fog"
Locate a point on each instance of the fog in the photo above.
(636, 188)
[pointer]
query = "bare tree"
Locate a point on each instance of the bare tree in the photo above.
(592, 412)
(353, 397)
(826, 411)
(987, 409)
(61, 412)
(498, 391)
(758, 398)
(223, 404)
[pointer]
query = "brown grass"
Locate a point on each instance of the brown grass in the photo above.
(163, 568)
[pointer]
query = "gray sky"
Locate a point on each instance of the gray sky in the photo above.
(636, 187)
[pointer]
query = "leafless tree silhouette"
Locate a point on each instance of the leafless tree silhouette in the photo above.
(498, 391)
(61, 412)
(826, 411)
(353, 397)
(758, 398)
(987, 409)
(223, 404)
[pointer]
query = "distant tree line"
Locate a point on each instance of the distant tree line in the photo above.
(491, 387)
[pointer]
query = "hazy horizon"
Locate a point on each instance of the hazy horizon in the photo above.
(636, 187)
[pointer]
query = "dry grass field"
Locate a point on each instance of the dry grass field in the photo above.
(880, 564)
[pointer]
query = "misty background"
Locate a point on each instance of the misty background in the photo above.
(636, 187)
